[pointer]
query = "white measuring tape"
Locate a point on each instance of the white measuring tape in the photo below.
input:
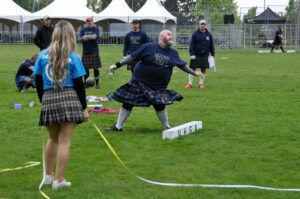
(190, 185)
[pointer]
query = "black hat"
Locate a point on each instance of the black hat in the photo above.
(135, 21)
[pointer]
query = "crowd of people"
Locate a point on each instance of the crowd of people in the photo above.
(57, 74)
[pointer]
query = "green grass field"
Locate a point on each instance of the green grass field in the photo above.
(251, 125)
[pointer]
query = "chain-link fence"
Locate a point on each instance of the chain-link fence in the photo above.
(226, 36)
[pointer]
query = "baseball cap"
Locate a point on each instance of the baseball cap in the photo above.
(90, 19)
(46, 17)
(135, 21)
(202, 21)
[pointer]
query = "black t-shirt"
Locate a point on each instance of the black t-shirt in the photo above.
(24, 69)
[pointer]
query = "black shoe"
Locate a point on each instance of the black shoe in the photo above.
(168, 127)
(284, 51)
(113, 128)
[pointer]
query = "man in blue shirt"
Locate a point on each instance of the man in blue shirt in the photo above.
(201, 44)
(90, 54)
(278, 39)
(25, 77)
(150, 79)
(133, 40)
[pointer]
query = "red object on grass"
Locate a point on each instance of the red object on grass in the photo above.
(104, 110)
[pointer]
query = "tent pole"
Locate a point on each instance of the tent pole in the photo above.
(22, 29)
(245, 25)
(250, 36)
(285, 35)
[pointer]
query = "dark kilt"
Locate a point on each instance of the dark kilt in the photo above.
(277, 42)
(91, 61)
(201, 61)
(59, 106)
(138, 94)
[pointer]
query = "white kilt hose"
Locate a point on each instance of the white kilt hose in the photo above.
(59, 106)
(138, 94)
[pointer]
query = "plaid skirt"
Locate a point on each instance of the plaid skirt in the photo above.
(91, 61)
(138, 94)
(59, 106)
(201, 61)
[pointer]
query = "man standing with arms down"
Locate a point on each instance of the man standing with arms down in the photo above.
(90, 55)
(278, 39)
(201, 44)
(43, 35)
(133, 40)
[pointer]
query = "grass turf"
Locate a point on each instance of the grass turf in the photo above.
(250, 135)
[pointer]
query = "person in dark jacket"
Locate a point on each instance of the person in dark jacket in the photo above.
(43, 35)
(150, 79)
(133, 40)
(25, 77)
(278, 40)
(90, 54)
(201, 44)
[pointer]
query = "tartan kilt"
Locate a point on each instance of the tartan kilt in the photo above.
(59, 106)
(91, 61)
(201, 61)
(138, 94)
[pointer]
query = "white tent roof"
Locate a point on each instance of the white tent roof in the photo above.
(117, 9)
(68, 9)
(12, 11)
(154, 10)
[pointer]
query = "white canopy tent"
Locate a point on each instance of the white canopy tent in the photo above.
(12, 14)
(72, 10)
(154, 10)
(116, 10)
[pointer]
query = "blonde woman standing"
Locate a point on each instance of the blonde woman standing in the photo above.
(61, 91)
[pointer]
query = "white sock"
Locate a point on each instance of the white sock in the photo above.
(163, 116)
(123, 115)
(202, 79)
(191, 78)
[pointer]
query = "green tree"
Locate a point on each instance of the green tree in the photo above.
(28, 4)
(94, 5)
(291, 11)
(251, 13)
(214, 10)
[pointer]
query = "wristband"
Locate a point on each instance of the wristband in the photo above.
(118, 64)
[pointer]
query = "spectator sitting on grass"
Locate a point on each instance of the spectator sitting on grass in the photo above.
(25, 77)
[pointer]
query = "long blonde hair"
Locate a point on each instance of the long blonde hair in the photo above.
(62, 44)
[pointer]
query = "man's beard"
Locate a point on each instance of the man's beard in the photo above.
(167, 42)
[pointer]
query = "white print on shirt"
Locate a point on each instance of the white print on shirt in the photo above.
(88, 32)
(207, 38)
(134, 40)
(161, 59)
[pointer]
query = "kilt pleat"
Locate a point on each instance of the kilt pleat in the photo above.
(201, 61)
(91, 61)
(59, 106)
(138, 94)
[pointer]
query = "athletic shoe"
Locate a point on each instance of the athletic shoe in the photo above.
(23, 90)
(113, 128)
(188, 86)
(168, 127)
(63, 183)
(97, 86)
(48, 179)
(284, 51)
(201, 86)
